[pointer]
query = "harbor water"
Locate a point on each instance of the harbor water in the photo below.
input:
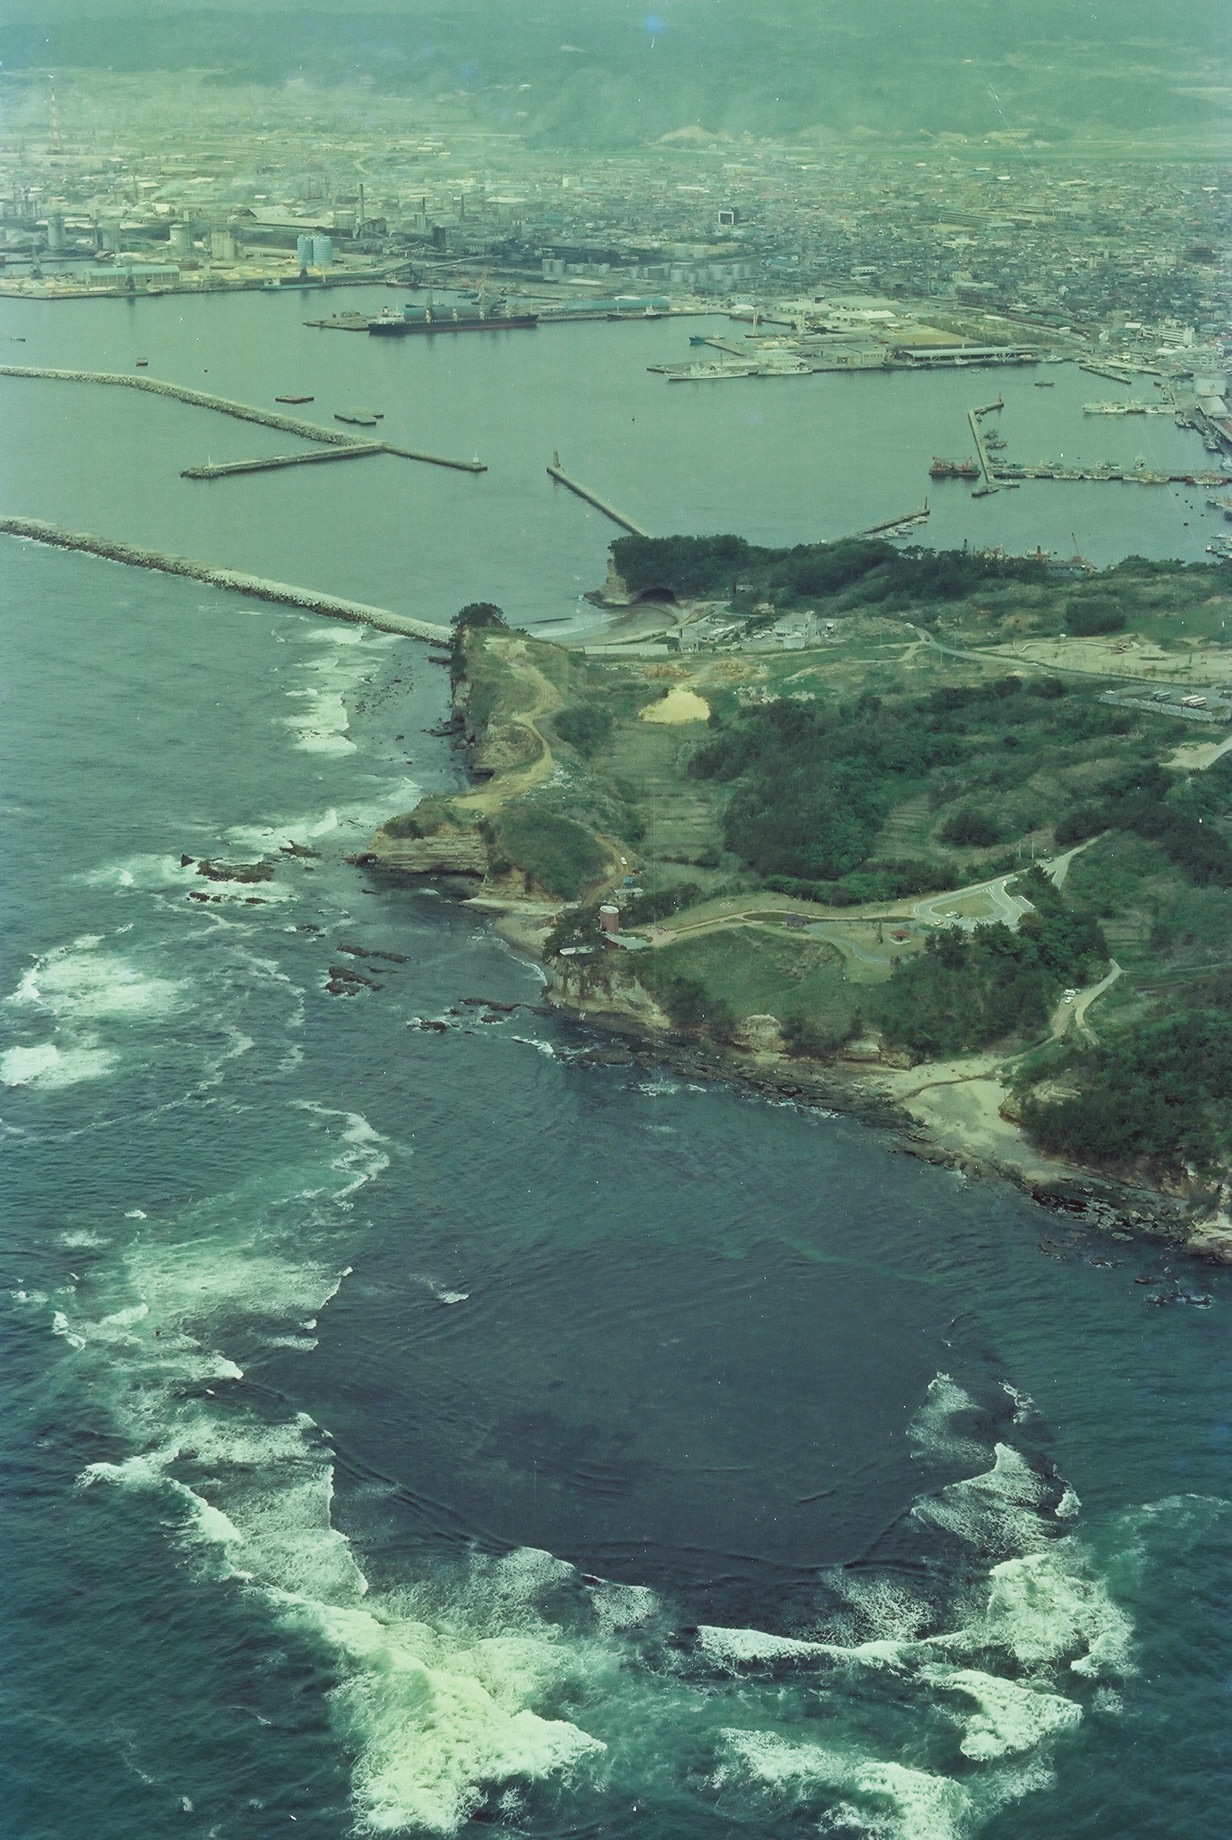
(426, 1429)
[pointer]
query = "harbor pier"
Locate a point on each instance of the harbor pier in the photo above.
(558, 473)
(977, 435)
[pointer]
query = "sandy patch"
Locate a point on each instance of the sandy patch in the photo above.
(958, 1102)
(1196, 757)
(677, 706)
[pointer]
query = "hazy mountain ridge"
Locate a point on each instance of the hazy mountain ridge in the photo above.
(608, 73)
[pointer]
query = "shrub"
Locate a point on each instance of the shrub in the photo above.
(557, 853)
(585, 726)
(1093, 614)
(971, 827)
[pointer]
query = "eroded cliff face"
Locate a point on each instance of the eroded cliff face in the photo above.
(454, 850)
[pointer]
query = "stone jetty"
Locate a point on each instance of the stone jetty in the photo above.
(37, 530)
(343, 444)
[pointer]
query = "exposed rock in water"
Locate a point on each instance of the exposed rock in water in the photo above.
(236, 872)
(291, 848)
(352, 980)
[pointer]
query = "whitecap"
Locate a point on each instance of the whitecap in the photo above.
(50, 1067)
(540, 1047)
(85, 985)
(994, 1510)
(934, 1432)
(1009, 1718)
(906, 1804)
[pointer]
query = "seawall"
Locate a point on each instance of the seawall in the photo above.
(37, 530)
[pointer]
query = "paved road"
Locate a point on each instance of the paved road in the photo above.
(1069, 1017)
(1008, 908)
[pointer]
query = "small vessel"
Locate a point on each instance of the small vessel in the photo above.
(710, 373)
(294, 399)
(1044, 384)
(783, 364)
(142, 363)
(356, 418)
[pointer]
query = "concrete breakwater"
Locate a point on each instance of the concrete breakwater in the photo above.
(201, 399)
(558, 473)
(37, 530)
(342, 444)
(224, 469)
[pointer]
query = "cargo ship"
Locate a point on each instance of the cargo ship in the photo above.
(953, 469)
(417, 319)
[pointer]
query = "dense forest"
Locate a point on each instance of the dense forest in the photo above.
(1158, 1094)
(990, 986)
(813, 783)
(869, 570)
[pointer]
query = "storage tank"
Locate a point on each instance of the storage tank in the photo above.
(609, 917)
(181, 240)
(322, 251)
(303, 250)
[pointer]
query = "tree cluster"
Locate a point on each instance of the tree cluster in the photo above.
(1159, 1093)
(730, 566)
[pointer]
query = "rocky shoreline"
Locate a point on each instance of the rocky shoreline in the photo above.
(1123, 1211)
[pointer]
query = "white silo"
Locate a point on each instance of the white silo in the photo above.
(322, 251)
(303, 250)
(181, 240)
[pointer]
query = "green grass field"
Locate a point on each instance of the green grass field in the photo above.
(760, 974)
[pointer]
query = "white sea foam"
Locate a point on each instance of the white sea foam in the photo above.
(50, 1067)
(143, 872)
(438, 1720)
(79, 983)
(1047, 1609)
(335, 824)
(1009, 1719)
(995, 1510)
(541, 1047)
(933, 1432)
(321, 726)
(622, 1607)
(907, 1804)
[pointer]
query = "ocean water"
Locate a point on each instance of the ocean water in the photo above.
(430, 1432)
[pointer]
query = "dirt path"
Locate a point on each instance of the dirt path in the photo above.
(543, 698)
(1069, 1017)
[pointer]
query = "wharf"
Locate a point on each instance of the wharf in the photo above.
(1116, 475)
(891, 526)
(558, 473)
(977, 435)
(1104, 370)
(1128, 408)
(37, 530)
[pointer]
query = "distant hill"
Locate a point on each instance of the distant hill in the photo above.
(610, 73)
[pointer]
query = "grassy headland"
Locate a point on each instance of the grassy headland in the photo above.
(889, 810)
